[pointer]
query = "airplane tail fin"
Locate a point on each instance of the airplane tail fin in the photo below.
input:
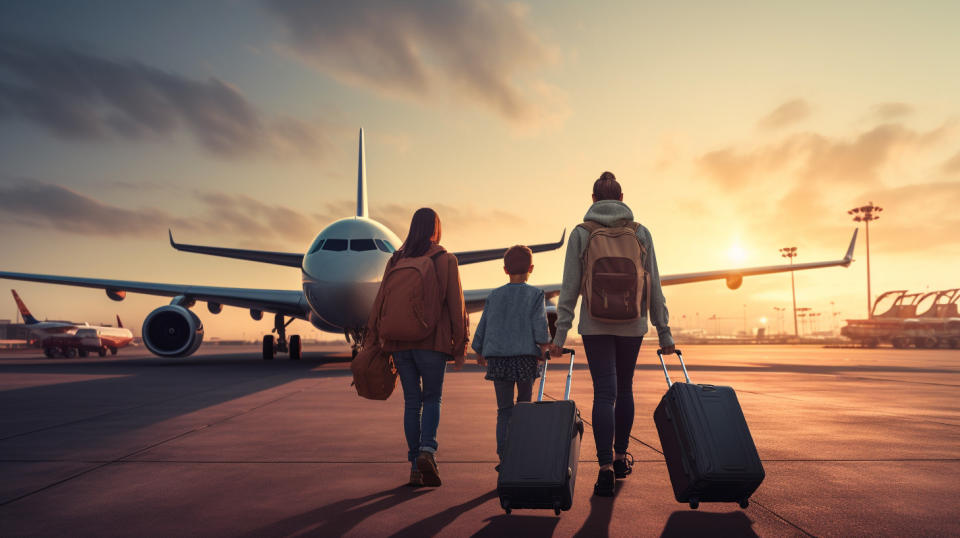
(362, 179)
(119, 323)
(27, 316)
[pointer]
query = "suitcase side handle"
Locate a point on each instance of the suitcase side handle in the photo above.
(664, 364)
(543, 375)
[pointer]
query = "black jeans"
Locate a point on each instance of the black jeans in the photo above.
(612, 360)
(505, 406)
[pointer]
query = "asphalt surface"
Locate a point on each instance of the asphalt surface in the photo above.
(855, 442)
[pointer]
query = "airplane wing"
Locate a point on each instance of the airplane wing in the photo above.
(288, 259)
(734, 277)
(475, 299)
(287, 302)
(291, 259)
(475, 256)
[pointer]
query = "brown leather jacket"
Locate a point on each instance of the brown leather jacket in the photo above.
(452, 330)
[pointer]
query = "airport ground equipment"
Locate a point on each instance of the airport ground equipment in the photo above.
(909, 322)
(539, 468)
(709, 451)
(82, 343)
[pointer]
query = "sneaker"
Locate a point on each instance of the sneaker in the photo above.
(428, 468)
(621, 468)
(416, 478)
(605, 482)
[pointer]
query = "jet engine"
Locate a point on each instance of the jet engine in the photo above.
(734, 281)
(172, 331)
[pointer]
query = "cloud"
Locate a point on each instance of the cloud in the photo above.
(815, 157)
(891, 111)
(952, 166)
(78, 96)
(40, 205)
(786, 114)
(477, 51)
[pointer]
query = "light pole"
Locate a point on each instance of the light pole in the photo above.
(803, 311)
(865, 214)
(779, 312)
(791, 253)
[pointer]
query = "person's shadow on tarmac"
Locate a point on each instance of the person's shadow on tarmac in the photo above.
(694, 523)
(338, 518)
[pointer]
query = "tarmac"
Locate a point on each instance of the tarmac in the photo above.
(855, 442)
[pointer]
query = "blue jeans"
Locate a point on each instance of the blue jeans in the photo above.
(505, 406)
(612, 360)
(421, 376)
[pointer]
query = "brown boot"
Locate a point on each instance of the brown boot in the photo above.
(416, 478)
(428, 469)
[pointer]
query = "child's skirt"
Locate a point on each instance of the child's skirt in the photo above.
(519, 368)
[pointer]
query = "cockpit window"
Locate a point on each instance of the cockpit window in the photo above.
(384, 245)
(362, 244)
(337, 245)
(316, 246)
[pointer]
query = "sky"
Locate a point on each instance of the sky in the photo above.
(734, 130)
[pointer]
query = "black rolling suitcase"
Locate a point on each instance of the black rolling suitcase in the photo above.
(539, 467)
(706, 442)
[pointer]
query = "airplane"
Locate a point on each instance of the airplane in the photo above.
(340, 276)
(46, 332)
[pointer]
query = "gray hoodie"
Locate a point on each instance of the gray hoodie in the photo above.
(609, 213)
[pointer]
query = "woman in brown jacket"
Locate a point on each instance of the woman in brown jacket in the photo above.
(421, 364)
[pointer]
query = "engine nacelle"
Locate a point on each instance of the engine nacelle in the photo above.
(215, 308)
(172, 331)
(116, 295)
(734, 281)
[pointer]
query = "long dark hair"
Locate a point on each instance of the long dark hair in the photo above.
(424, 225)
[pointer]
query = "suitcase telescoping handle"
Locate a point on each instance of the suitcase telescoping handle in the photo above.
(543, 376)
(666, 373)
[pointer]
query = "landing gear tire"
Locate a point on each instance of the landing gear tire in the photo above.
(102, 352)
(268, 347)
(295, 347)
(113, 351)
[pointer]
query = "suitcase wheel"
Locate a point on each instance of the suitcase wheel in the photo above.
(744, 503)
(694, 503)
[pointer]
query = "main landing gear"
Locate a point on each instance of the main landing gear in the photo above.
(270, 349)
(355, 339)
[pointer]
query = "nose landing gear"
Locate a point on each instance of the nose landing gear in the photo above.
(271, 348)
(355, 339)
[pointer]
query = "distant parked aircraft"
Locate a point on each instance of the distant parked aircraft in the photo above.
(57, 337)
(340, 274)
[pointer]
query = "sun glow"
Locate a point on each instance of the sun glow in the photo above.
(736, 253)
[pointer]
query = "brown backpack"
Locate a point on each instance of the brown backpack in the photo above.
(412, 299)
(614, 283)
(374, 374)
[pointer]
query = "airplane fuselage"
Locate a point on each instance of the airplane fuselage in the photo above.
(342, 271)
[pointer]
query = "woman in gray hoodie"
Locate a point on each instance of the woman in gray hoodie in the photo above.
(611, 348)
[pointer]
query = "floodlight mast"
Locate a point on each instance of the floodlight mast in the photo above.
(866, 214)
(791, 252)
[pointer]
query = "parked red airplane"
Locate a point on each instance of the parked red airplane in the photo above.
(71, 339)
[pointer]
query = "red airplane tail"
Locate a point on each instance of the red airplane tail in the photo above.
(24, 312)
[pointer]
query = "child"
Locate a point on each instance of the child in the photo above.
(511, 337)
